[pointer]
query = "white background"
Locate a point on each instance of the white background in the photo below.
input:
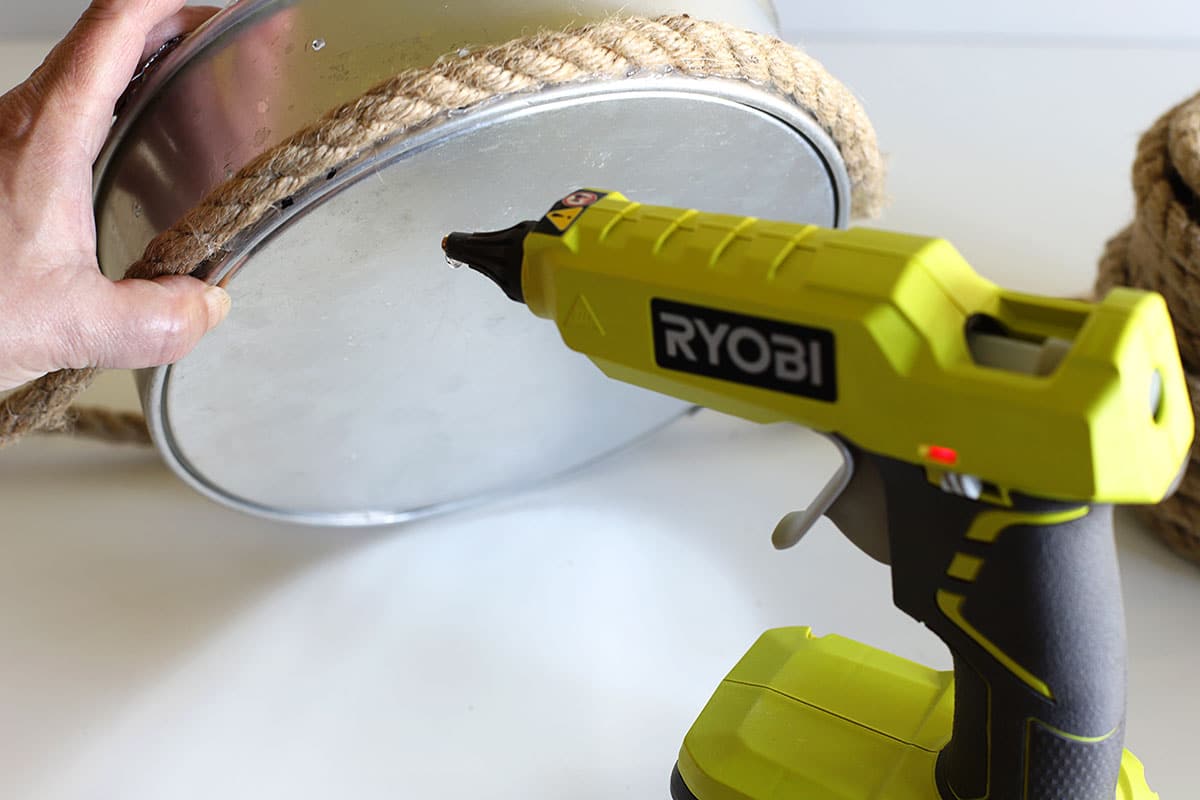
(154, 646)
(1111, 20)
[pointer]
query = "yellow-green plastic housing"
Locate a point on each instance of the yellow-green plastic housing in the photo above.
(830, 719)
(897, 307)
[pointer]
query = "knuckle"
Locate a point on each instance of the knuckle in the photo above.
(16, 112)
(102, 10)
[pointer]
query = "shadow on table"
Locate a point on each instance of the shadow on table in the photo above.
(112, 571)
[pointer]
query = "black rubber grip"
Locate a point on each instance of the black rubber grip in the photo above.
(679, 789)
(1027, 598)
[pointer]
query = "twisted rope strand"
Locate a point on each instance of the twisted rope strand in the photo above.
(105, 424)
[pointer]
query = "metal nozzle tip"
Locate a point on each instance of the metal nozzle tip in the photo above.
(496, 254)
(452, 246)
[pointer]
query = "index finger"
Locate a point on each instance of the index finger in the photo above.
(184, 21)
(85, 73)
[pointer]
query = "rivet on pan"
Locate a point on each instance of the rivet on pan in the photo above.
(317, 44)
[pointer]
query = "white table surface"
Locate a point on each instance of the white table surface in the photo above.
(557, 644)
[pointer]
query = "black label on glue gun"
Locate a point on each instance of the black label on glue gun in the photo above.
(750, 350)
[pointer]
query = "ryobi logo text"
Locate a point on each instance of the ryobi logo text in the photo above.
(743, 349)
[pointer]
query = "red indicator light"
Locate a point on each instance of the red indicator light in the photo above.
(942, 455)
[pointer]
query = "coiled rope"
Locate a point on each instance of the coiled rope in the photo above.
(1160, 250)
(612, 50)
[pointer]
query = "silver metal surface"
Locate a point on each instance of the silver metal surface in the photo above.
(962, 484)
(251, 77)
(358, 380)
(1156, 394)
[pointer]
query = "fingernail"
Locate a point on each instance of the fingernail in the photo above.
(218, 305)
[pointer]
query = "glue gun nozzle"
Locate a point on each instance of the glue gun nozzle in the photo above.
(498, 254)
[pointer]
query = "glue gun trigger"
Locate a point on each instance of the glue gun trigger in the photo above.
(853, 499)
(793, 526)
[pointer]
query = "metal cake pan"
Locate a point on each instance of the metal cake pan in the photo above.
(358, 380)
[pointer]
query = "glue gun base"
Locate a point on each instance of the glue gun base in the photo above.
(785, 721)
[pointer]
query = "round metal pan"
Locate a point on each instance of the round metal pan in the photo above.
(358, 380)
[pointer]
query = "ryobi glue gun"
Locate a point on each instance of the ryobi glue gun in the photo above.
(985, 434)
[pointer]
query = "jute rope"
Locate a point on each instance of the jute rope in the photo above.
(615, 49)
(1160, 250)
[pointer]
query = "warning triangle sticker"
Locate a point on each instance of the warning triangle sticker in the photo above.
(582, 318)
(562, 218)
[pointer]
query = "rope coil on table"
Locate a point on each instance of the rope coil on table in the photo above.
(612, 50)
(1160, 250)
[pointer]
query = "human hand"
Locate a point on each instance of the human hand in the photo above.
(57, 310)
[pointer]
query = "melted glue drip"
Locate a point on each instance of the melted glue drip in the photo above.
(453, 262)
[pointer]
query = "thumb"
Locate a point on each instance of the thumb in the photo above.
(143, 323)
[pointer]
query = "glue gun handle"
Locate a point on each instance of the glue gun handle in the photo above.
(1027, 598)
